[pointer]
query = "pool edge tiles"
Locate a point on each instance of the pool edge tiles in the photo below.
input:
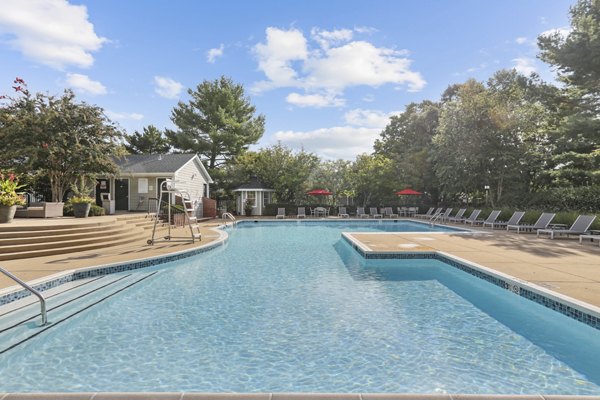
(568, 306)
(13, 293)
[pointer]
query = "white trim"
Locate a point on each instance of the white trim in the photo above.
(202, 169)
(253, 190)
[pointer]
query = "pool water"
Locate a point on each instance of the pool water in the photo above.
(285, 308)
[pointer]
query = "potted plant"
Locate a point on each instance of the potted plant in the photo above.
(81, 201)
(9, 198)
(248, 206)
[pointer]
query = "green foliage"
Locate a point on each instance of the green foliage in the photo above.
(218, 122)
(150, 141)
(56, 137)
(407, 141)
(279, 168)
(95, 210)
(580, 199)
(374, 180)
(8, 191)
(335, 176)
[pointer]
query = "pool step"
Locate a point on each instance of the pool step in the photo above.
(20, 321)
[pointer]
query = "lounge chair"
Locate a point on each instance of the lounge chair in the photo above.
(580, 227)
(387, 212)
(441, 216)
(471, 217)
(490, 219)
(342, 212)
(458, 216)
(360, 212)
(428, 214)
(374, 214)
(542, 223)
(514, 220)
(280, 213)
(301, 212)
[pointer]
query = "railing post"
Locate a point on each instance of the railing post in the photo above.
(32, 290)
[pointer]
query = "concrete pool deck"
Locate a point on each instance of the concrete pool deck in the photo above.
(561, 265)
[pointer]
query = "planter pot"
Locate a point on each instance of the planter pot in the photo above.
(81, 210)
(7, 213)
(248, 212)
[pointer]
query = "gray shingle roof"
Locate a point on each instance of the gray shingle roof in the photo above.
(152, 163)
(254, 183)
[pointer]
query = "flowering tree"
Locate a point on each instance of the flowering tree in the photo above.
(56, 136)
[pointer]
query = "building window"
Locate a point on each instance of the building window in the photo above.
(266, 198)
(205, 190)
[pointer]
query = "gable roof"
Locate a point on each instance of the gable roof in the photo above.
(152, 163)
(140, 164)
(254, 184)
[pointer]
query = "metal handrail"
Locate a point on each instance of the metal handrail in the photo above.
(32, 290)
(229, 216)
(435, 218)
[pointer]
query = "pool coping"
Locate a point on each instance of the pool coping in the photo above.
(15, 292)
(566, 305)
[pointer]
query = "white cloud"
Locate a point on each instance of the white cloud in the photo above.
(524, 65)
(521, 40)
(121, 116)
(213, 54)
(167, 87)
(315, 100)
(365, 30)
(356, 137)
(83, 84)
(368, 118)
(480, 67)
(338, 63)
(369, 98)
(331, 143)
(276, 55)
(562, 32)
(328, 38)
(51, 32)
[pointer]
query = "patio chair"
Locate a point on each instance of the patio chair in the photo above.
(490, 219)
(458, 217)
(301, 212)
(388, 212)
(441, 216)
(428, 214)
(471, 217)
(513, 220)
(360, 212)
(580, 227)
(280, 213)
(374, 214)
(412, 211)
(542, 223)
(342, 212)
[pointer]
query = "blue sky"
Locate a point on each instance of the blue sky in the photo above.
(326, 74)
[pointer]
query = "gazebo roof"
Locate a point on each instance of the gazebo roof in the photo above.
(254, 185)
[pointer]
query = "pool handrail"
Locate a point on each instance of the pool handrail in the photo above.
(32, 290)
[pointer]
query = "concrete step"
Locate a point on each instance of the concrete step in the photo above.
(58, 245)
(55, 226)
(60, 231)
(64, 235)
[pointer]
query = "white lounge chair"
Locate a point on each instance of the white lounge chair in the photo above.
(360, 212)
(441, 216)
(458, 216)
(429, 213)
(471, 217)
(514, 220)
(280, 213)
(580, 227)
(387, 212)
(542, 223)
(490, 219)
(301, 212)
(342, 212)
(374, 214)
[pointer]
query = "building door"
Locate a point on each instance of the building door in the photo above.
(121, 194)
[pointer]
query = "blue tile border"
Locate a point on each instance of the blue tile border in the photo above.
(91, 272)
(513, 287)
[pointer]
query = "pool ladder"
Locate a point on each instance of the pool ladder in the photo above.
(32, 290)
(435, 218)
(229, 216)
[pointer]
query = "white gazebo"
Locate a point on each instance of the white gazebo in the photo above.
(256, 193)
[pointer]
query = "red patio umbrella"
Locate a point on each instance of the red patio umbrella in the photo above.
(320, 192)
(408, 191)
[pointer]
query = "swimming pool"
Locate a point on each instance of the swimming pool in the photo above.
(293, 308)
